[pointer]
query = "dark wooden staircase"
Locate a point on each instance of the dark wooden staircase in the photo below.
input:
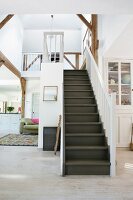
(86, 150)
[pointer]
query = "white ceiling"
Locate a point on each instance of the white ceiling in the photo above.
(66, 6)
(44, 21)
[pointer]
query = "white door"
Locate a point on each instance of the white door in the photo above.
(35, 105)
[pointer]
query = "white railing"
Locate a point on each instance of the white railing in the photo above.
(53, 47)
(106, 106)
(32, 61)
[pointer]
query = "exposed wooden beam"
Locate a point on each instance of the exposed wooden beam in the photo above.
(1, 63)
(4, 21)
(23, 89)
(94, 46)
(69, 62)
(77, 61)
(88, 24)
(9, 65)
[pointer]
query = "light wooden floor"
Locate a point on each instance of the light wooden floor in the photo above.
(27, 173)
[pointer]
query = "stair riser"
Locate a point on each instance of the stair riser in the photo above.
(72, 81)
(82, 77)
(78, 94)
(81, 118)
(87, 170)
(84, 141)
(93, 154)
(73, 72)
(83, 128)
(77, 87)
(78, 109)
(80, 101)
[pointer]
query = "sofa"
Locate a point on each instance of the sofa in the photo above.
(28, 127)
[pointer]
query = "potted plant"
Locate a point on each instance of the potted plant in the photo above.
(10, 109)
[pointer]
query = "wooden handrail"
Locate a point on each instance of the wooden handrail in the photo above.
(4, 21)
(57, 135)
(85, 34)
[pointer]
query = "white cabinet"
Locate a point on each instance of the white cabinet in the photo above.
(9, 123)
(118, 78)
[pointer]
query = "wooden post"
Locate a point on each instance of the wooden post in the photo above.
(23, 88)
(77, 61)
(94, 47)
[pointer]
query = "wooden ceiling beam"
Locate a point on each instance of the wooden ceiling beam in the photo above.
(4, 21)
(88, 24)
(1, 63)
(9, 65)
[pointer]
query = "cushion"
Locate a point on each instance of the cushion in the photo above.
(35, 120)
(31, 127)
(28, 121)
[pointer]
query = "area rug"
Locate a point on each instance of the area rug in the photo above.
(19, 140)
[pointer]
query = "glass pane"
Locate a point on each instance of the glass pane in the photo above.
(125, 89)
(113, 78)
(125, 78)
(125, 100)
(125, 67)
(113, 66)
(113, 88)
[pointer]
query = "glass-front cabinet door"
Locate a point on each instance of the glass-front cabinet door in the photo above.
(119, 81)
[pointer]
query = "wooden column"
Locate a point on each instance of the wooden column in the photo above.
(94, 47)
(77, 61)
(23, 88)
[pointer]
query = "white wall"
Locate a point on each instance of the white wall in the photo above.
(33, 40)
(11, 37)
(123, 46)
(110, 28)
(32, 86)
(51, 75)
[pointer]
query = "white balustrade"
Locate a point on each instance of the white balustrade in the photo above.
(106, 106)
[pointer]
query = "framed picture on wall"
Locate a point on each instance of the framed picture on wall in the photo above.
(50, 93)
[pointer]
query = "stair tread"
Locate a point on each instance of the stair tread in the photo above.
(82, 105)
(79, 97)
(87, 162)
(84, 134)
(76, 74)
(82, 113)
(83, 123)
(68, 84)
(78, 90)
(78, 79)
(86, 147)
